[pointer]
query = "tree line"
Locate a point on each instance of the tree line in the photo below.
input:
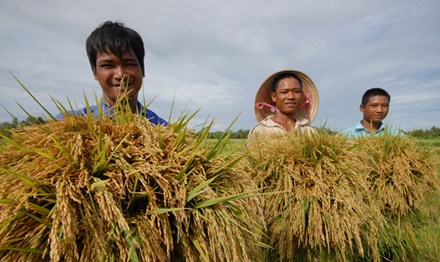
(243, 133)
(31, 120)
(432, 133)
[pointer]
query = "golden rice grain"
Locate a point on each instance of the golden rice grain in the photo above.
(123, 189)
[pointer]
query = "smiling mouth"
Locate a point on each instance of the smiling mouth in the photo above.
(122, 85)
(125, 82)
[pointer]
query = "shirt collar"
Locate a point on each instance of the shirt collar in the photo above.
(359, 127)
(106, 107)
(270, 123)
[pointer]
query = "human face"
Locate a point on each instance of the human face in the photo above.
(118, 76)
(288, 96)
(376, 109)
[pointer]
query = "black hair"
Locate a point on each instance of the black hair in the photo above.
(282, 76)
(374, 92)
(114, 37)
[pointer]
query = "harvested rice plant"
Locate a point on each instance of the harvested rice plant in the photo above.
(402, 174)
(122, 189)
(328, 198)
(317, 204)
(430, 231)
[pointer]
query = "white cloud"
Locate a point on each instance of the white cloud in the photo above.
(215, 54)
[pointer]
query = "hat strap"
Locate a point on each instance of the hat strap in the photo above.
(261, 105)
(306, 103)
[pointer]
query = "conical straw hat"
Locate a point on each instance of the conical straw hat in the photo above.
(265, 107)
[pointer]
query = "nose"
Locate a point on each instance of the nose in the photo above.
(119, 73)
(290, 95)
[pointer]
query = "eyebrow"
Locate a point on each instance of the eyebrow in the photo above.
(129, 59)
(380, 103)
(289, 88)
(103, 60)
(109, 60)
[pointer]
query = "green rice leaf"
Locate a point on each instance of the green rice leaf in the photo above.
(214, 201)
(26, 180)
(33, 97)
(98, 183)
(197, 190)
(12, 218)
(15, 144)
(199, 248)
(132, 244)
(39, 209)
(7, 201)
(26, 250)
(161, 211)
(46, 154)
(40, 220)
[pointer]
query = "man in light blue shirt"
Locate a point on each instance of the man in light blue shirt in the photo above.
(375, 106)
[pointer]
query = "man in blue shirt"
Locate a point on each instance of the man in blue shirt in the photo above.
(374, 107)
(116, 55)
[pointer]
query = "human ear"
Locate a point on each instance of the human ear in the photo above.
(274, 97)
(362, 107)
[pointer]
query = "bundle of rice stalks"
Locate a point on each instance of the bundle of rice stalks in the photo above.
(317, 204)
(401, 174)
(118, 189)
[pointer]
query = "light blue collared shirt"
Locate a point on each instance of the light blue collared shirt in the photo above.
(150, 115)
(359, 131)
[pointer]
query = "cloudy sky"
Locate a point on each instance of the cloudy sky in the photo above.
(214, 55)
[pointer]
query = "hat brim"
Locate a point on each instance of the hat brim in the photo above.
(307, 110)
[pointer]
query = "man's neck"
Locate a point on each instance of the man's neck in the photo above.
(286, 121)
(371, 126)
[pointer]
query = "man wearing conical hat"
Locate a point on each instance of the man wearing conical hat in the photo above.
(286, 101)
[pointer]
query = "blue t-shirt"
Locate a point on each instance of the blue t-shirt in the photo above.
(359, 131)
(150, 115)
